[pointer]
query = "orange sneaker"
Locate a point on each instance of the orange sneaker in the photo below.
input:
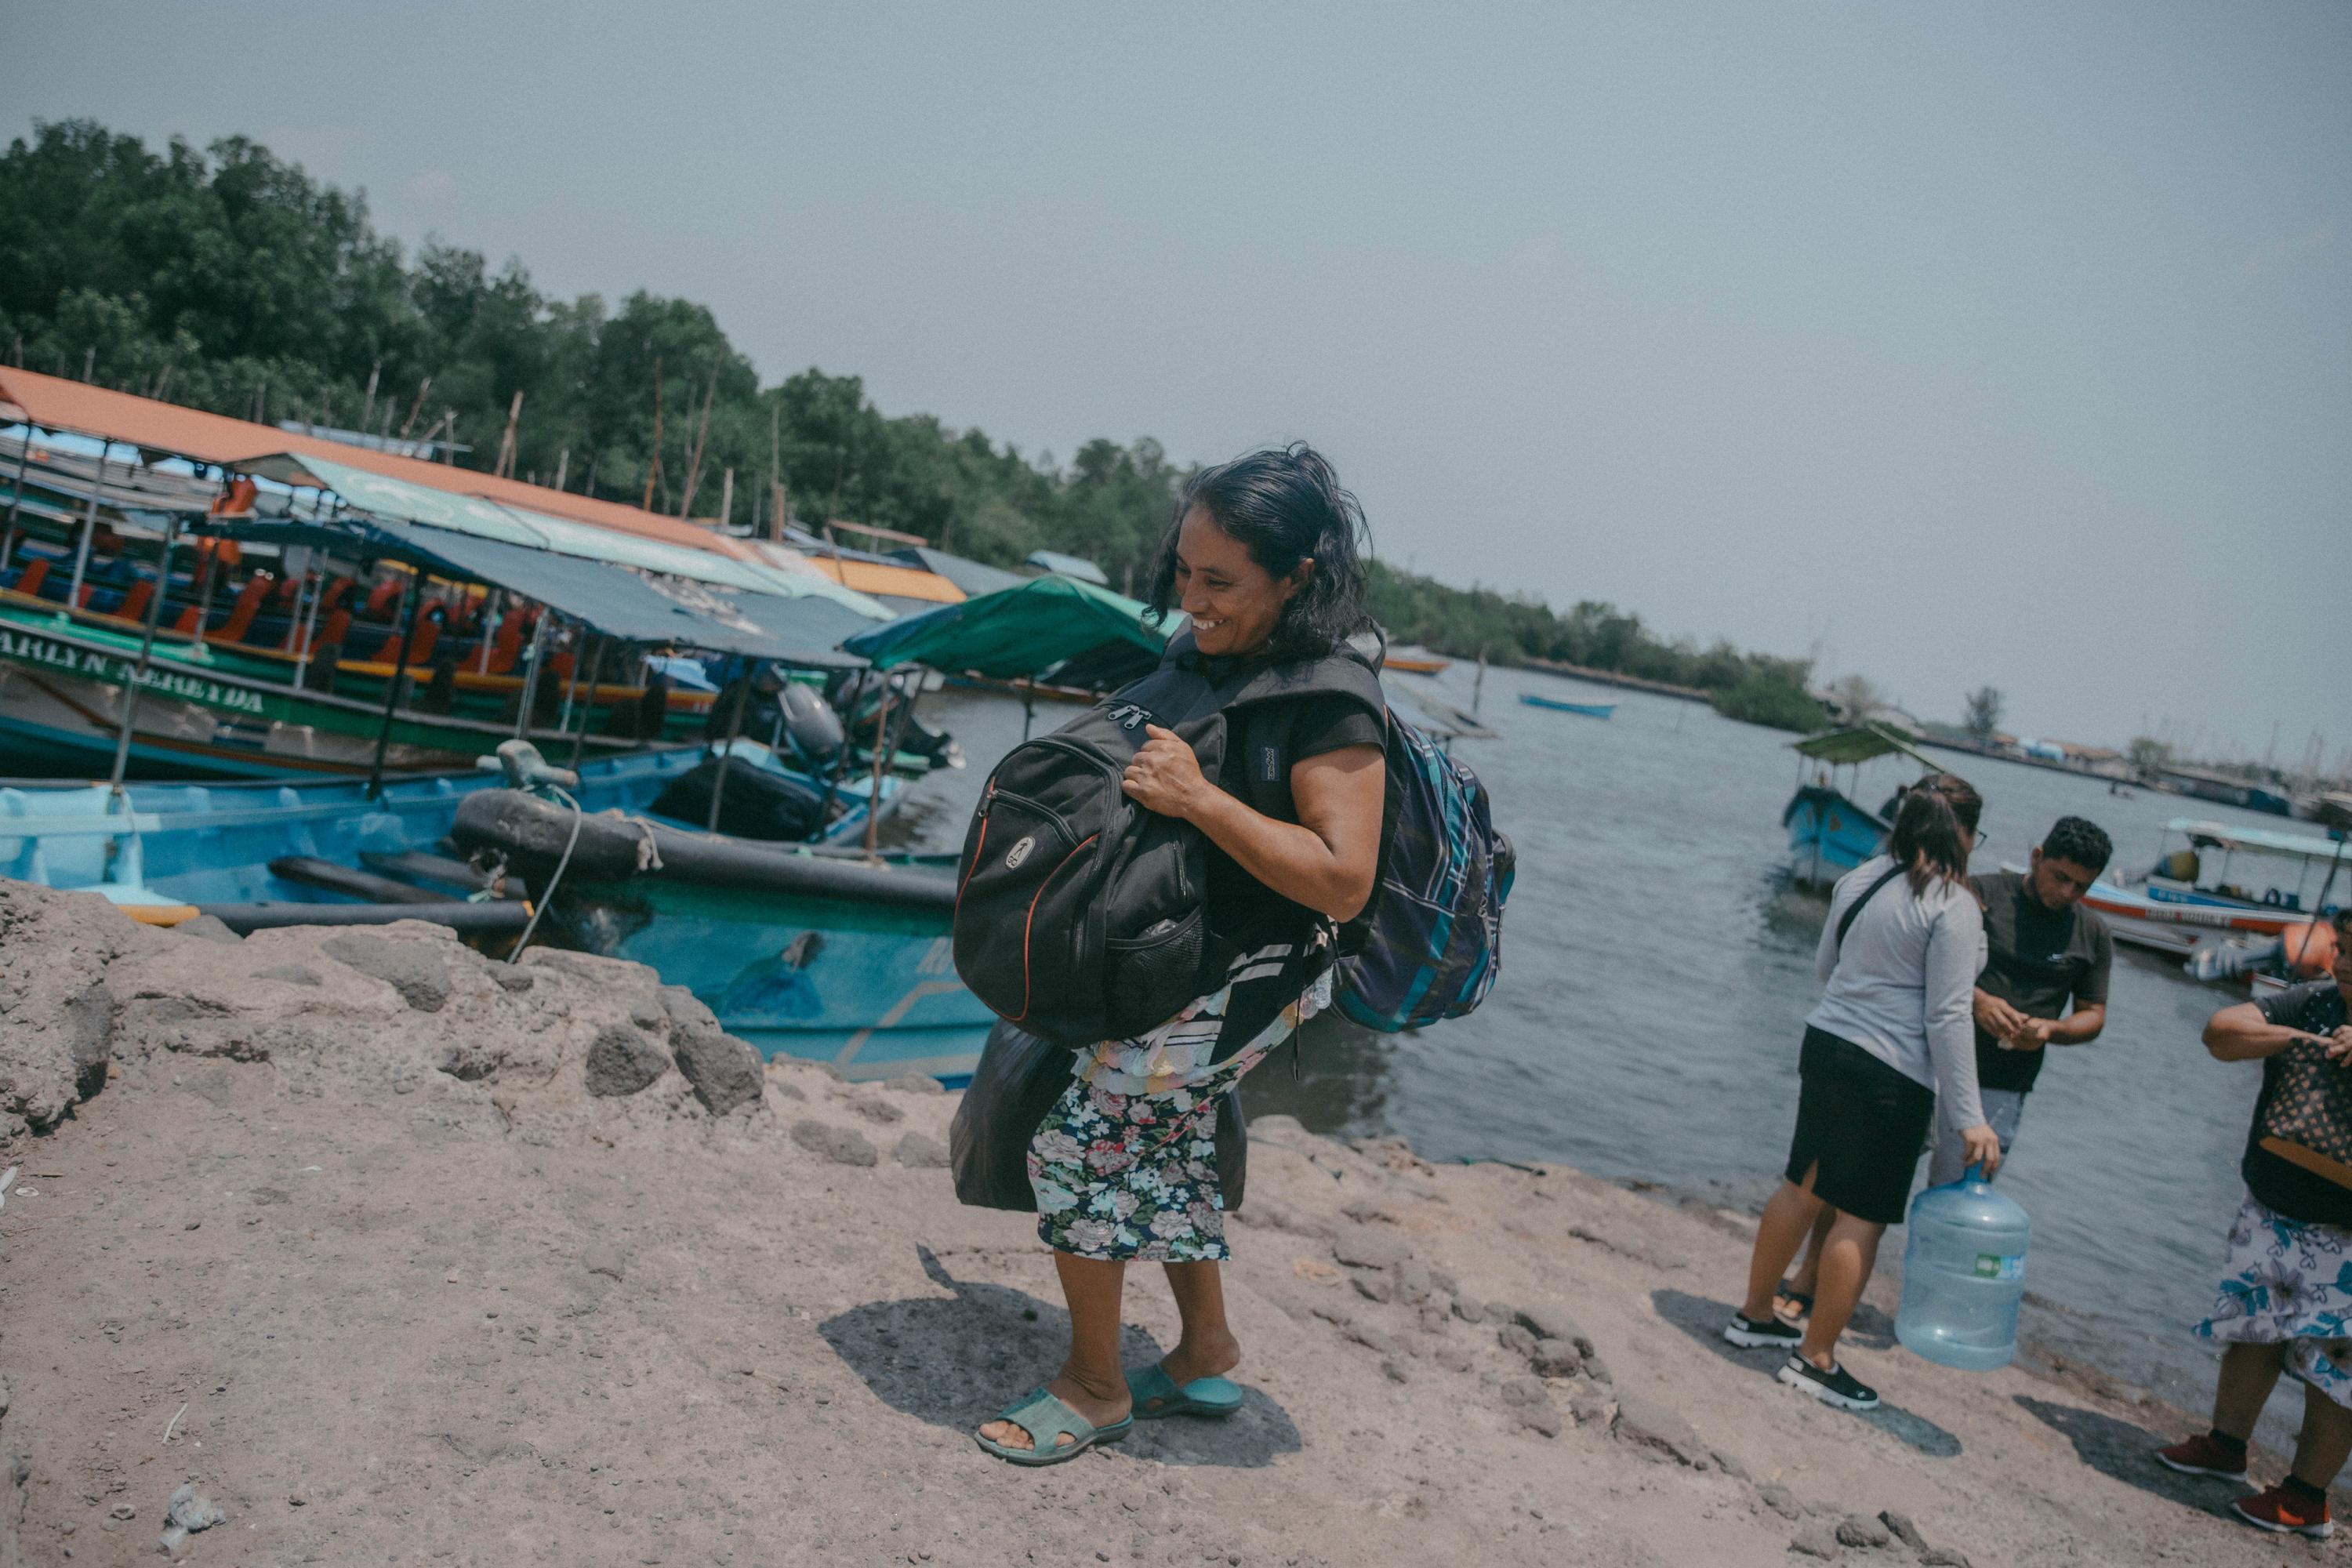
(2200, 1456)
(2281, 1512)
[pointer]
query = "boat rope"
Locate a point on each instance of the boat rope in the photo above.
(547, 894)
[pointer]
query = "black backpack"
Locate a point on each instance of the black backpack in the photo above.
(1081, 916)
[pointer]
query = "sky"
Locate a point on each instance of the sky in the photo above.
(1951, 345)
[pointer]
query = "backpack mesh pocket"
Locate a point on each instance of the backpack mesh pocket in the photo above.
(1153, 976)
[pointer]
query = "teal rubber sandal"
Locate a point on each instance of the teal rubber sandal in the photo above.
(1156, 1395)
(1045, 1418)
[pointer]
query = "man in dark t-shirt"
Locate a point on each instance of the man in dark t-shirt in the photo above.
(2045, 978)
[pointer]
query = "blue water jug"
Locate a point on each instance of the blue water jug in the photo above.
(1963, 1275)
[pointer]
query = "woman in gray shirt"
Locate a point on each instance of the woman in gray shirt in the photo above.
(1892, 1036)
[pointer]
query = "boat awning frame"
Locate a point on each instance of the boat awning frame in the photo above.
(2206, 834)
(1863, 743)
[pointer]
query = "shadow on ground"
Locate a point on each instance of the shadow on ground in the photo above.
(2124, 1452)
(955, 1363)
(1702, 1320)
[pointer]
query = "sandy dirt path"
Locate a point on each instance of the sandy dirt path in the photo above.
(378, 1250)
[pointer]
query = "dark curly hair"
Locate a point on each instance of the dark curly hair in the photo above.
(2081, 840)
(1284, 505)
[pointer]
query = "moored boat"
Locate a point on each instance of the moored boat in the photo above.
(841, 958)
(1590, 709)
(1828, 833)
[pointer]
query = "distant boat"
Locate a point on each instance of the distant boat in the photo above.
(1590, 709)
(1414, 660)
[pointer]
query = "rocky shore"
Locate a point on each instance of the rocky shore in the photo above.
(336, 1246)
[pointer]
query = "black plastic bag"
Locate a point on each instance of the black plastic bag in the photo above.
(1013, 1090)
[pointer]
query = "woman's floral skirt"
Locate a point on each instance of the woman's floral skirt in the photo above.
(1131, 1175)
(2289, 1283)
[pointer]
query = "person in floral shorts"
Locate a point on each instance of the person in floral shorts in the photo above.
(2285, 1301)
(1263, 556)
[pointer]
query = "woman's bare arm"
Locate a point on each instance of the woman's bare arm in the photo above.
(2241, 1032)
(1325, 860)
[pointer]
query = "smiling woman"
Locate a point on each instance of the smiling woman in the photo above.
(1262, 557)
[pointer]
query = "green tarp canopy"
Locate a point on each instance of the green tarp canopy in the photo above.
(1865, 744)
(1014, 632)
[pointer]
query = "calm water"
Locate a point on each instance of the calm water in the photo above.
(1656, 972)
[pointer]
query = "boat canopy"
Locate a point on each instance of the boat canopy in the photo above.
(607, 598)
(153, 425)
(2256, 840)
(397, 500)
(1014, 632)
(1863, 744)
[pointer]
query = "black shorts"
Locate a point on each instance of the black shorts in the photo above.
(1864, 1123)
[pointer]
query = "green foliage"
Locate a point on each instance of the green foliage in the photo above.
(1510, 628)
(1764, 698)
(229, 280)
(2149, 756)
(1981, 717)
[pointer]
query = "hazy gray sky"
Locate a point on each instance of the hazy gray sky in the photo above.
(1955, 343)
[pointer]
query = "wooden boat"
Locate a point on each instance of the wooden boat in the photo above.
(1411, 660)
(839, 958)
(1829, 834)
(2221, 929)
(286, 851)
(1590, 709)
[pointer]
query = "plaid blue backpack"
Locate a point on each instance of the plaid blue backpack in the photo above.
(1431, 942)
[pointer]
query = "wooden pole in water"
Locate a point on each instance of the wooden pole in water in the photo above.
(492, 615)
(727, 754)
(310, 626)
(654, 467)
(530, 677)
(776, 469)
(506, 464)
(571, 691)
(367, 409)
(88, 528)
(146, 653)
(595, 674)
(1478, 687)
(17, 499)
(411, 592)
(415, 408)
(562, 466)
(874, 789)
(694, 462)
(726, 499)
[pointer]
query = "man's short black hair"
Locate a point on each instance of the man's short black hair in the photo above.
(2081, 840)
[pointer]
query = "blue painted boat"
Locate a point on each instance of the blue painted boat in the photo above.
(162, 847)
(833, 957)
(1829, 834)
(1590, 709)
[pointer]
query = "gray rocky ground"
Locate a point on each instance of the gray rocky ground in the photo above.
(354, 1248)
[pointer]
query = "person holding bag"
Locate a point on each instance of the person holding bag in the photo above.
(1262, 556)
(1892, 1044)
(2285, 1302)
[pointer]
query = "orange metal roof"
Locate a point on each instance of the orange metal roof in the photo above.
(874, 577)
(62, 404)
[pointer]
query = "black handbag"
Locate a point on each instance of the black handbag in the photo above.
(1013, 1089)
